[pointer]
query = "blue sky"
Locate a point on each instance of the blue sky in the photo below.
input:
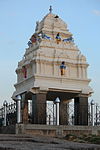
(17, 24)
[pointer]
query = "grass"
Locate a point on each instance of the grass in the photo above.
(93, 139)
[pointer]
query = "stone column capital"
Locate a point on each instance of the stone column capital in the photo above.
(37, 90)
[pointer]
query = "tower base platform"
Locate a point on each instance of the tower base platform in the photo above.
(50, 130)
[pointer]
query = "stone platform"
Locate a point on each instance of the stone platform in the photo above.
(50, 130)
(28, 142)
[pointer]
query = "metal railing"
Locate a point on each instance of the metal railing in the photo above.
(11, 114)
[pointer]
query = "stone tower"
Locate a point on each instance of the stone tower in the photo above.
(53, 66)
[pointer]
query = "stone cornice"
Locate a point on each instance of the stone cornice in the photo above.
(24, 81)
(61, 78)
(51, 77)
(55, 61)
(65, 90)
(61, 46)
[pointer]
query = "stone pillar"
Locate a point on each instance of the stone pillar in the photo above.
(81, 110)
(25, 112)
(92, 113)
(39, 108)
(63, 113)
(24, 109)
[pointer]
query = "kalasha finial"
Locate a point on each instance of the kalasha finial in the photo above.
(50, 9)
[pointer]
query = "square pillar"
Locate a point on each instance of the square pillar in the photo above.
(81, 111)
(24, 109)
(63, 113)
(25, 112)
(39, 108)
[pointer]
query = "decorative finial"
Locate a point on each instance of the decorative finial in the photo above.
(50, 9)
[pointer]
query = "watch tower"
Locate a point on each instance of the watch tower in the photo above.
(53, 66)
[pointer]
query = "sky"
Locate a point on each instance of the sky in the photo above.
(17, 24)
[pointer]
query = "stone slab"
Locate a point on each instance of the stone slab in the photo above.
(27, 142)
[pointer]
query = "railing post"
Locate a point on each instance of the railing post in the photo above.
(5, 112)
(18, 101)
(96, 121)
(57, 101)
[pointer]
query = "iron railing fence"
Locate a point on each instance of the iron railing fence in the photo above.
(10, 114)
(93, 113)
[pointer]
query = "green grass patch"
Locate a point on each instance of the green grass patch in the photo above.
(93, 139)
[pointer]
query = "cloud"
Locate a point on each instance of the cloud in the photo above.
(96, 12)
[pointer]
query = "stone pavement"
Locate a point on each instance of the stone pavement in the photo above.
(27, 142)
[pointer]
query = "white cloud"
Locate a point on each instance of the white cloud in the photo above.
(96, 12)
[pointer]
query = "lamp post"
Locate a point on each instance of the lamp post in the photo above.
(18, 100)
(57, 101)
(5, 112)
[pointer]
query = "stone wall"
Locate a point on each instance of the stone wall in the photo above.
(11, 129)
(49, 130)
(54, 131)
